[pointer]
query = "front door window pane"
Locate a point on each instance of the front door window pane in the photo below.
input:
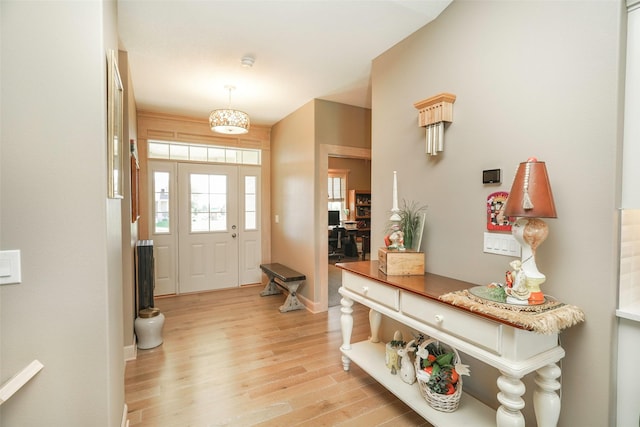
(250, 205)
(208, 203)
(161, 205)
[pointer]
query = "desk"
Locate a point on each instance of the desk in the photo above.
(352, 234)
(508, 347)
(365, 235)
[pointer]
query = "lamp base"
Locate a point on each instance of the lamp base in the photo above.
(536, 298)
(533, 284)
(516, 301)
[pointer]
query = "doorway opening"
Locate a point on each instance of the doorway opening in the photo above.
(336, 155)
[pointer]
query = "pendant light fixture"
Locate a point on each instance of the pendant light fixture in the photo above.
(229, 121)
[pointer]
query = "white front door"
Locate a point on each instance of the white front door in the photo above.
(250, 243)
(207, 227)
(164, 225)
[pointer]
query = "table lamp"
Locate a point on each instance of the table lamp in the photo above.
(529, 200)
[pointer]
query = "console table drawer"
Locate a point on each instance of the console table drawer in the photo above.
(482, 332)
(385, 295)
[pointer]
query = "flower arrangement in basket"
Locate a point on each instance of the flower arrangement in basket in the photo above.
(438, 371)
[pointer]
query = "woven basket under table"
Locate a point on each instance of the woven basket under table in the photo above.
(440, 402)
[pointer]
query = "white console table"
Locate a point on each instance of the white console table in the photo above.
(413, 301)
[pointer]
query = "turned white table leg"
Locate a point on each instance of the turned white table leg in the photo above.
(375, 319)
(346, 323)
(546, 402)
(511, 402)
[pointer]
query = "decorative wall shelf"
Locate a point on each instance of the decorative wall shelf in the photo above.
(432, 113)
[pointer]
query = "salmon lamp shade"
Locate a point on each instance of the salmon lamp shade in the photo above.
(529, 200)
(531, 194)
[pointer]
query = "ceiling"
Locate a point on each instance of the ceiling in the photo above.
(182, 53)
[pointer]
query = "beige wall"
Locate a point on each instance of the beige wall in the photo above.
(532, 79)
(359, 177)
(341, 124)
(129, 227)
(293, 192)
(301, 144)
(67, 312)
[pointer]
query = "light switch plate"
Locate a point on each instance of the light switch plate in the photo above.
(10, 271)
(501, 244)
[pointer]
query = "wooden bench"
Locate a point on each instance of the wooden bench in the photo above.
(281, 276)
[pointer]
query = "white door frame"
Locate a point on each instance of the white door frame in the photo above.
(250, 238)
(322, 264)
(166, 250)
(165, 245)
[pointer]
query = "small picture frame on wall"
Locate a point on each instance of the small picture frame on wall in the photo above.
(115, 155)
(135, 182)
(496, 219)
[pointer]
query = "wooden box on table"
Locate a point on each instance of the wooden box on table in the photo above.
(394, 262)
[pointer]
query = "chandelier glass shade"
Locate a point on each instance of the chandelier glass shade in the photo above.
(228, 120)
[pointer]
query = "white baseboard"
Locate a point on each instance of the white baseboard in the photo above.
(125, 420)
(131, 351)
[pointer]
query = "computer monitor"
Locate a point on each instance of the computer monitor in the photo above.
(334, 218)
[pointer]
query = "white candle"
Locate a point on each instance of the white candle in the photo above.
(395, 210)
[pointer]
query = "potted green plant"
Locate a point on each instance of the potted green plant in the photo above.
(411, 222)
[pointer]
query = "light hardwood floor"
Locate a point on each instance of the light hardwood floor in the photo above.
(230, 358)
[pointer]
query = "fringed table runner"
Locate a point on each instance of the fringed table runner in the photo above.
(549, 317)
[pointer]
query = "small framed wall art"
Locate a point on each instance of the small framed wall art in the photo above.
(115, 155)
(135, 182)
(496, 219)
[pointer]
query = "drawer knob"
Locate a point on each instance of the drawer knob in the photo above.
(439, 318)
(365, 289)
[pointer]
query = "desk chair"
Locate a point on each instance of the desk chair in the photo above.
(341, 243)
(336, 242)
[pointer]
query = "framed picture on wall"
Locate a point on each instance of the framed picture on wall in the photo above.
(135, 183)
(115, 155)
(496, 219)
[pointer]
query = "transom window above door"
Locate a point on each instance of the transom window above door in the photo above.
(203, 153)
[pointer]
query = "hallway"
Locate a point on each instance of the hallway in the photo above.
(230, 358)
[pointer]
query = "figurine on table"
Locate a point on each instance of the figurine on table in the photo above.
(518, 293)
(395, 239)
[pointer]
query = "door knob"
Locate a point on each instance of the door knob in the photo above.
(233, 235)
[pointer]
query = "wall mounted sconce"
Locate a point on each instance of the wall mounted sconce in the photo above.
(432, 113)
